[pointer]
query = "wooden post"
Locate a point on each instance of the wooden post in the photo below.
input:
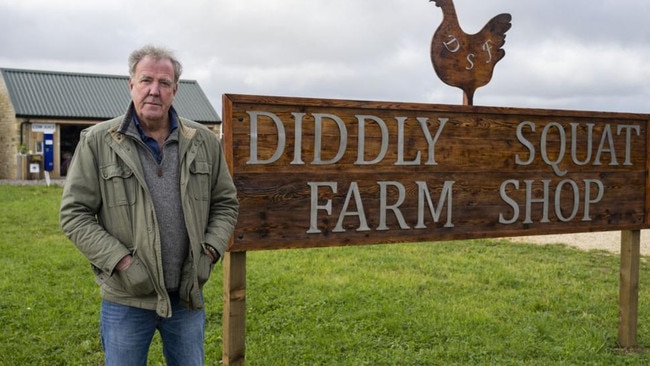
(629, 288)
(467, 99)
(234, 309)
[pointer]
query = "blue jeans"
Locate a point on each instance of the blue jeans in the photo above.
(126, 334)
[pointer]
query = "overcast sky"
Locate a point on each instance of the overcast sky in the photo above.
(560, 54)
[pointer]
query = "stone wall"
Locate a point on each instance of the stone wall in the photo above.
(9, 139)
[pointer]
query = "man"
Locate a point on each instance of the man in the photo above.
(149, 201)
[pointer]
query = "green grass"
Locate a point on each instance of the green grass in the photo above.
(481, 302)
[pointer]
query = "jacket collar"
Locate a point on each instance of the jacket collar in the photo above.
(128, 118)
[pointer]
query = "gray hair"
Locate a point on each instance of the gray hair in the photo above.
(157, 53)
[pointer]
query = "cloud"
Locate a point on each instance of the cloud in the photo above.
(580, 55)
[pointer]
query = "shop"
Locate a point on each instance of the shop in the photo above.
(47, 147)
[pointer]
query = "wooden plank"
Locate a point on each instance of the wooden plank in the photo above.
(234, 312)
(629, 288)
(318, 172)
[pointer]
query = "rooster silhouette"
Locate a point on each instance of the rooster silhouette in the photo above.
(466, 60)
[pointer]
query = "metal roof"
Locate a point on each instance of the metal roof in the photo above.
(52, 94)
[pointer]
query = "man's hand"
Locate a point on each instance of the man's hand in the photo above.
(212, 253)
(124, 263)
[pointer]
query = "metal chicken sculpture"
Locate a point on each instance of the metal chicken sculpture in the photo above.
(466, 60)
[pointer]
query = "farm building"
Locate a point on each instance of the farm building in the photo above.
(43, 112)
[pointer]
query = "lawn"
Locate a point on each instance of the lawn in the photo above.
(480, 302)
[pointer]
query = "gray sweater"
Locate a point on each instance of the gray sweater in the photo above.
(163, 182)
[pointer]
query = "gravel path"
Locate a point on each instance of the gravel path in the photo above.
(607, 240)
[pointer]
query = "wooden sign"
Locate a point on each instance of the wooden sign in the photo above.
(315, 172)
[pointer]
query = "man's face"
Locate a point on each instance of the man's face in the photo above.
(153, 89)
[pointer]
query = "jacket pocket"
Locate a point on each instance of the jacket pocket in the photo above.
(134, 280)
(120, 185)
(199, 184)
(204, 269)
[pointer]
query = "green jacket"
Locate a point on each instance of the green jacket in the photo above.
(107, 212)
